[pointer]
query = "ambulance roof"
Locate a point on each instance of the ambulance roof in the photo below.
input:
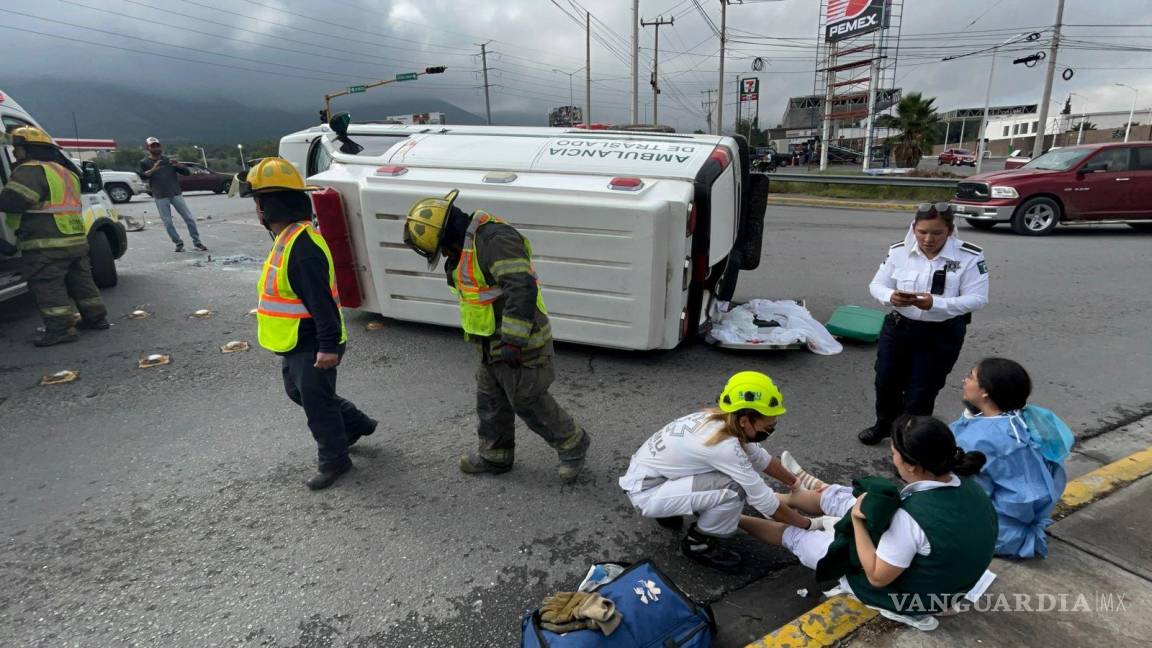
(531, 149)
(9, 105)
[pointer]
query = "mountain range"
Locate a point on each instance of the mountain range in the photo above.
(129, 115)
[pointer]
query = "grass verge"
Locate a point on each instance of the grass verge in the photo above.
(866, 192)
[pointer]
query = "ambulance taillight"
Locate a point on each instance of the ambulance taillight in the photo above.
(721, 155)
(329, 210)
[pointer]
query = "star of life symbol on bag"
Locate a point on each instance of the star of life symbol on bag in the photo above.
(647, 591)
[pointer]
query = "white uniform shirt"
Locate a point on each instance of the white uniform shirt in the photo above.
(908, 270)
(904, 538)
(678, 450)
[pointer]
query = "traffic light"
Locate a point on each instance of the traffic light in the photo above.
(438, 69)
(323, 116)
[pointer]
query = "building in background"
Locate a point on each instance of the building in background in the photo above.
(1014, 127)
(419, 118)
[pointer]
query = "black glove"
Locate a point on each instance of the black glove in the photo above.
(511, 355)
(7, 249)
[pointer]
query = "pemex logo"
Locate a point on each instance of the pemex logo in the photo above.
(846, 9)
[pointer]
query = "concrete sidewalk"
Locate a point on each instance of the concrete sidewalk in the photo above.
(1094, 589)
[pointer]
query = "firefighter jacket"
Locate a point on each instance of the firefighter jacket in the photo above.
(42, 201)
(500, 300)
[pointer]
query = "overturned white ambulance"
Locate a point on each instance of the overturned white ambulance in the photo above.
(631, 233)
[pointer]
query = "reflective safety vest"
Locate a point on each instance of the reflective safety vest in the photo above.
(279, 312)
(63, 204)
(477, 316)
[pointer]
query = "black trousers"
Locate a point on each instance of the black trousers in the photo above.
(913, 361)
(335, 423)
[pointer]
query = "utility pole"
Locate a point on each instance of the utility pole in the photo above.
(826, 127)
(656, 62)
(1038, 145)
(635, 61)
(484, 62)
(720, 93)
(707, 105)
(588, 67)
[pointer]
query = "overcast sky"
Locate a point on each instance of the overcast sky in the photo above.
(292, 51)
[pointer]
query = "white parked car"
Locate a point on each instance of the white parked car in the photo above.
(122, 185)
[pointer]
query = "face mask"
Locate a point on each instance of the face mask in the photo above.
(761, 437)
(972, 409)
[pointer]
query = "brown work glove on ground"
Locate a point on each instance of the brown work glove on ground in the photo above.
(568, 611)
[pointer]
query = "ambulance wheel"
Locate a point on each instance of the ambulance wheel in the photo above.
(103, 261)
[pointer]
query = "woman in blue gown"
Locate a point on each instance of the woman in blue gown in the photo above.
(1025, 448)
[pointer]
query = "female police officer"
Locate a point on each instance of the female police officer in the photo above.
(935, 282)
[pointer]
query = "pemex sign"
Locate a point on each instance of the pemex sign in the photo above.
(848, 18)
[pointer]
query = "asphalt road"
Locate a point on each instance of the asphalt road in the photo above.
(166, 506)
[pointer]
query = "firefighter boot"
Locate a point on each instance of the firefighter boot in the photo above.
(51, 338)
(572, 462)
(474, 464)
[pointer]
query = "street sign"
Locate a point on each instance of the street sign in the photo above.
(750, 89)
(356, 88)
(407, 76)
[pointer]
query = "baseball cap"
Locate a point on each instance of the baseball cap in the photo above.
(150, 141)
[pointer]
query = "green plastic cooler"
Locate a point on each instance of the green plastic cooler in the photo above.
(856, 323)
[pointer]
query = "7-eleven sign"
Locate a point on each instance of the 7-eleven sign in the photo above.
(749, 89)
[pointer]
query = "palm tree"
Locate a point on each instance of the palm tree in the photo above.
(916, 119)
(1087, 126)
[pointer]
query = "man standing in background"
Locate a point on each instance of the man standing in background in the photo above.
(160, 173)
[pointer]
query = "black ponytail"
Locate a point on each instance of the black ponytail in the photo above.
(967, 463)
(927, 442)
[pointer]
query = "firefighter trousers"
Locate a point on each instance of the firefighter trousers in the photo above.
(504, 392)
(60, 280)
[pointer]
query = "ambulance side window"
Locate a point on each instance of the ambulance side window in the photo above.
(318, 158)
(10, 124)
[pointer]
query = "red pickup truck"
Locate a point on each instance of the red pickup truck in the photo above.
(956, 157)
(1098, 183)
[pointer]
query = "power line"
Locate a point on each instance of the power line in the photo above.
(183, 59)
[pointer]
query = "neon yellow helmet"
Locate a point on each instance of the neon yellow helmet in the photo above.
(271, 174)
(26, 135)
(425, 225)
(752, 390)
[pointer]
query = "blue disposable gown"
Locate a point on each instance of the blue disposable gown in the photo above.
(1023, 485)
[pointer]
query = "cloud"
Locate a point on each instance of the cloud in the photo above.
(334, 43)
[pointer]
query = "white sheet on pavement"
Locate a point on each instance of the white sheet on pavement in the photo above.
(797, 326)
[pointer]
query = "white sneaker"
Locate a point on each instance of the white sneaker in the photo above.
(806, 481)
(922, 622)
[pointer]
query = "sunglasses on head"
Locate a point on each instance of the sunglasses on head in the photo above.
(939, 208)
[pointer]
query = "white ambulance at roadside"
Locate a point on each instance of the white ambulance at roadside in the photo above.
(631, 232)
(107, 239)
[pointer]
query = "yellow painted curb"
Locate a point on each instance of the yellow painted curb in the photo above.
(781, 199)
(823, 625)
(1105, 479)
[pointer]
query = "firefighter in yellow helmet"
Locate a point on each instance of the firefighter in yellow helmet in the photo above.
(710, 464)
(42, 201)
(299, 316)
(489, 267)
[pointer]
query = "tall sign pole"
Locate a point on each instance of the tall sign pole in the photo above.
(635, 61)
(1038, 145)
(656, 63)
(720, 93)
(588, 67)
